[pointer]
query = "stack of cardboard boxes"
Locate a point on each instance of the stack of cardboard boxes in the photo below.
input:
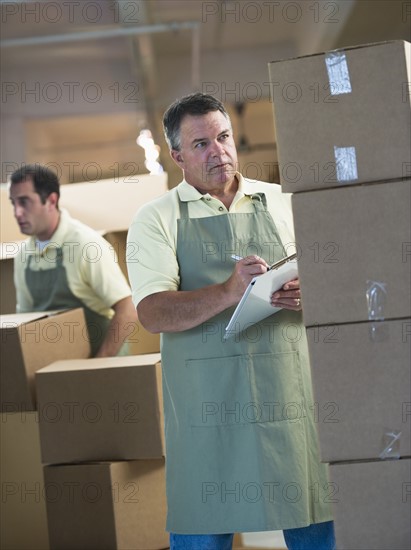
(97, 427)
(29, 341)
(343, 124)
(125, 427)
(101, 436)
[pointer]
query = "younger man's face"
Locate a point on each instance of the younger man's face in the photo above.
(32, 216)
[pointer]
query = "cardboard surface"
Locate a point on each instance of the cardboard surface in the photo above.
(315, 112)
(361, 383)
(7, 290)
(354, 252)
(371, 503)
(101, 409)
(117, 201)
(23, 517)
(30, 341)
(113, 505)
(9, 230)
(141, 341)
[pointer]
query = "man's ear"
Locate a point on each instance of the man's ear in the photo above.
(177, 157)
(53, 199)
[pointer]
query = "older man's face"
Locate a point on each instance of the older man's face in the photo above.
(208, 155)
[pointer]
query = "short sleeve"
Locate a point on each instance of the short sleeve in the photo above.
(151, 255)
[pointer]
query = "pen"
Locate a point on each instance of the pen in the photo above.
(283, 261)
(274, 265)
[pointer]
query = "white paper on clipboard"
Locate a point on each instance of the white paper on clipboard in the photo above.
(255, 304)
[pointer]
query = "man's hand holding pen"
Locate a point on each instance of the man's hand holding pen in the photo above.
(244, 272)
(289, 297)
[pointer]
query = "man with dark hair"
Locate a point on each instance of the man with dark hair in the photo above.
(53, 271)
(241, 441)
(45, 181)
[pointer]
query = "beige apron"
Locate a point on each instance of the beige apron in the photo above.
(241, 441)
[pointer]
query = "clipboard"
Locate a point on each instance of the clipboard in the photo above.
(255, 303)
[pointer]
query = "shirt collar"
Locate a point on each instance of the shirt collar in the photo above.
(188, 193)
(59, 236)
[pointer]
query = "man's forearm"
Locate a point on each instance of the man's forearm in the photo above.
(121, 325)
(178, 310)
(175, 311)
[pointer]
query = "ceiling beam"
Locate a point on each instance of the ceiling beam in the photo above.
(142, 62)
(96, 35)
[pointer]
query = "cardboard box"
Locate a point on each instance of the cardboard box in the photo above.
(30, 341)
(118, 200)
(343, 117)
(371, 503)
(141, 341)
(113, 505)
(7, 289)
(361, 382)
(101, 409)
(354, 253)
(23, 516)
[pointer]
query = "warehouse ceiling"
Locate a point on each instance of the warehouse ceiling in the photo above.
(41, 32)
(141, 54)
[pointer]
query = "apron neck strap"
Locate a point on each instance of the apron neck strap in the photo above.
(259, 201)
(183, 209)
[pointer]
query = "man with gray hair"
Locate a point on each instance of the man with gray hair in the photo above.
(241, 447)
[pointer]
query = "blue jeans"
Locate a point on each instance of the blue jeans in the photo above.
(319, 536)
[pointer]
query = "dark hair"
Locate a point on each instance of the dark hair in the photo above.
(45, 181)
(196, 104)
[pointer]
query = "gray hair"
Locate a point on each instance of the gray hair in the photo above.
(196, 104)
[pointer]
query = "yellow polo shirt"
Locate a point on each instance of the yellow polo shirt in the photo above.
(152, 238)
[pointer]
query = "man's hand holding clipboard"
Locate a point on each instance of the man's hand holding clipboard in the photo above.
(266, 294)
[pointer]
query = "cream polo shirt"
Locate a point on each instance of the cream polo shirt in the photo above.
(152, 238)
(91, 264)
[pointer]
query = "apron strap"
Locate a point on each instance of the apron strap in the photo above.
(260, 205)
(259, 202)
(59, 257)
(183, 210)
(29, 259)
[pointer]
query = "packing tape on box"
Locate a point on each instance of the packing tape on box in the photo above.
(345, 163)
(340, 83)
(391, 444)
(379, 331)
(376, 294)
(338, 74)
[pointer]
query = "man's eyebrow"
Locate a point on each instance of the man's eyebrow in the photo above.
(19, 197)
(199, 140)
